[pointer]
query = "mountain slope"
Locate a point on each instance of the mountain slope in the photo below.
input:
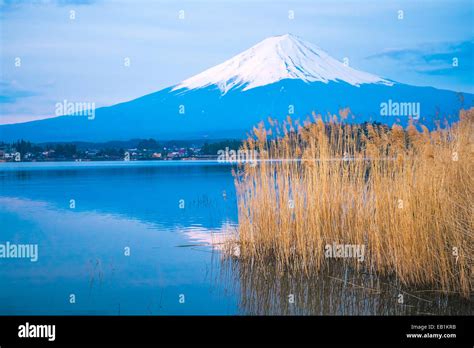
(228, 100)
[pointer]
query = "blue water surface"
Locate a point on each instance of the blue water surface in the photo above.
(86, 216)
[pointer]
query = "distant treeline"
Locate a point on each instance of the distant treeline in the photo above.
(24, 147)
(118, 148)
(213, 148)
(112, 149)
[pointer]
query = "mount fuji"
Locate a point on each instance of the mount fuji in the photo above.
(279, 76)
(275, 59)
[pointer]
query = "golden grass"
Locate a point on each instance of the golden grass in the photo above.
(407, 195)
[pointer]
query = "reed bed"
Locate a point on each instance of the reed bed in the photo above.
(406, 195)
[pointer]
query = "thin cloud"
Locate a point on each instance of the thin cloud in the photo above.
(449, 58)
(13, 4)
(10, 92)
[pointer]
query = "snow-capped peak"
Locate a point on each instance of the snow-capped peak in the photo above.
(277, 58)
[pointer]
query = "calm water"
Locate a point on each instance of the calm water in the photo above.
(166, 214)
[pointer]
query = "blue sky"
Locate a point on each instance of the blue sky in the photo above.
(82, 59)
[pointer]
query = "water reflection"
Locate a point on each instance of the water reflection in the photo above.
(263, 290)
(81, 250)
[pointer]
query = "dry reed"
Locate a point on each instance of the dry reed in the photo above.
(405, 194)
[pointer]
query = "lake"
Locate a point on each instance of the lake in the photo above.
(123, 238)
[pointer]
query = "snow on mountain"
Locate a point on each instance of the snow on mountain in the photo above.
(277, 58)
